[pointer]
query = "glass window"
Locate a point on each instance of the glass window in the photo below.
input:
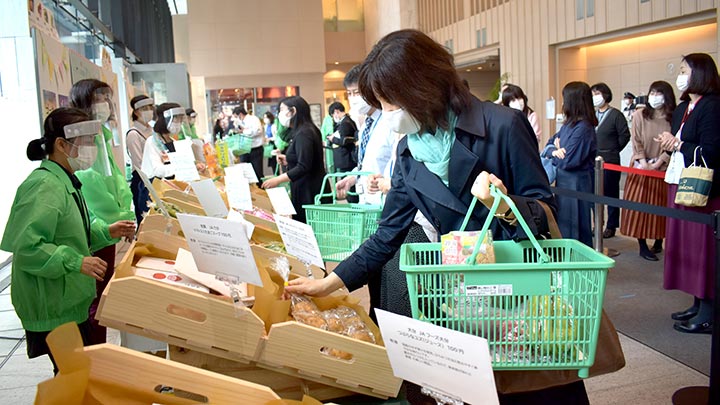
(580, 9)
(590, 8)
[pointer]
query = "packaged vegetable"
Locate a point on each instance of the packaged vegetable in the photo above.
(458, 246)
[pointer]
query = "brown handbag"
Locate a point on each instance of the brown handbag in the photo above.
(609, 356)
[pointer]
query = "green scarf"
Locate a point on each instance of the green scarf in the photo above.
(434, 150)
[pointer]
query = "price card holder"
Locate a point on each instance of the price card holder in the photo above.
(158, 201)
(183, 161)
(248, 172)
(238, 189)
(452, 367)
(209, 198)
(280, 200)
(299, 241)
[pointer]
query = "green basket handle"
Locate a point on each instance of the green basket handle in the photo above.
(332, 186)
(499, 195)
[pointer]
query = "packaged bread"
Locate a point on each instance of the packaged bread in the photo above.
(458, 246)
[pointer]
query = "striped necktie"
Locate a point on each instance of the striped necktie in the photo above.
(364, 139)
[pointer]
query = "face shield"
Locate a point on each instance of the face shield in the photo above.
(88, 148)
(145, 110)
(174, 120)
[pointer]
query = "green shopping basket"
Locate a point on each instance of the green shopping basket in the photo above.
(341, 228)
(239, 144)
(539, 305)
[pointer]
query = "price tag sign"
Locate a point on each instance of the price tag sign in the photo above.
(280, 201)
(299, 240)
(183, 161)
(248, 172)
(443, 360)
(238, 217)
(220, 247)
(210, 198)
(238, 188)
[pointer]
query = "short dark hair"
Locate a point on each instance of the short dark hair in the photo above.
(666, 90)
(604, 90)
(302, 112)
(189, 112)
(352, 76)
(239, 110)
(161, 123)
(270, 115)
(81, 93)
(436, 86)
(53, 128)
(336, 106)
(134, 101)
(578, 104)
(513, 92)
(704, 79)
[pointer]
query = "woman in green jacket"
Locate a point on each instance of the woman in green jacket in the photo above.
(104, 185)
(50, 233)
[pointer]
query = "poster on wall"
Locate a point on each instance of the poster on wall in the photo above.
(42, 18)
(54, 78)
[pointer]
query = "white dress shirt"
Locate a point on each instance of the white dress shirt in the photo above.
(152, 162)
(378, 152)
(253, 128)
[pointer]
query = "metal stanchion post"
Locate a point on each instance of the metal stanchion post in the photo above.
(599, 208)
(711, 394)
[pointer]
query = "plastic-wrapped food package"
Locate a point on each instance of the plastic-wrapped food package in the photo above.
(458, 246)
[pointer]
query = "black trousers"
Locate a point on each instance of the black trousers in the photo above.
(255, 158)
(141, 196)
(611, 183)
(37, 346)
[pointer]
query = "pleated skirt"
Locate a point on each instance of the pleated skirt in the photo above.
(690, 251)
(646, 190)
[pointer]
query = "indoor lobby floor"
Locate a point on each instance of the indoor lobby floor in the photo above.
(649, 377)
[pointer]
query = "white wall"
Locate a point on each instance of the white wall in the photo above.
(19, 109)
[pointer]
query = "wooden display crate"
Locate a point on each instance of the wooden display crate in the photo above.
(109, 374)
(209, 324)
(286, 386)
(177, 315)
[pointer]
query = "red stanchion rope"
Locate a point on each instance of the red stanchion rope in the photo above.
(642, 172)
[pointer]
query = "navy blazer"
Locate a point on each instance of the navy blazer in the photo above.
(702, 128)
(489, 138)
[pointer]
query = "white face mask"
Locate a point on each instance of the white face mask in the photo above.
(682, 82)
(101, 111)
(266, 121)
(284, 118)
(401, 122)
(359, 105)
(174, 127)
(625, 103)
(146, 116)
(598, 100)
(656, 101)
(518, 104)
(87, 154)
(338, 119)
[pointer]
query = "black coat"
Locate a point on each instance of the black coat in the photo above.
(612, 135)
(306, 169)
(702, 128)
(489, 138)
(344, 156)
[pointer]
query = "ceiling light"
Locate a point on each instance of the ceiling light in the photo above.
(467, 70)
(479, 67)
(337, 63)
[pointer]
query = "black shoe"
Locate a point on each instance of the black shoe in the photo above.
(648, 255)
(656, 249)
(684, 315)
(609, 233)
(686, 327)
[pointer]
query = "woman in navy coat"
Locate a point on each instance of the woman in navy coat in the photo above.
(573, 150)
(454, 143)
